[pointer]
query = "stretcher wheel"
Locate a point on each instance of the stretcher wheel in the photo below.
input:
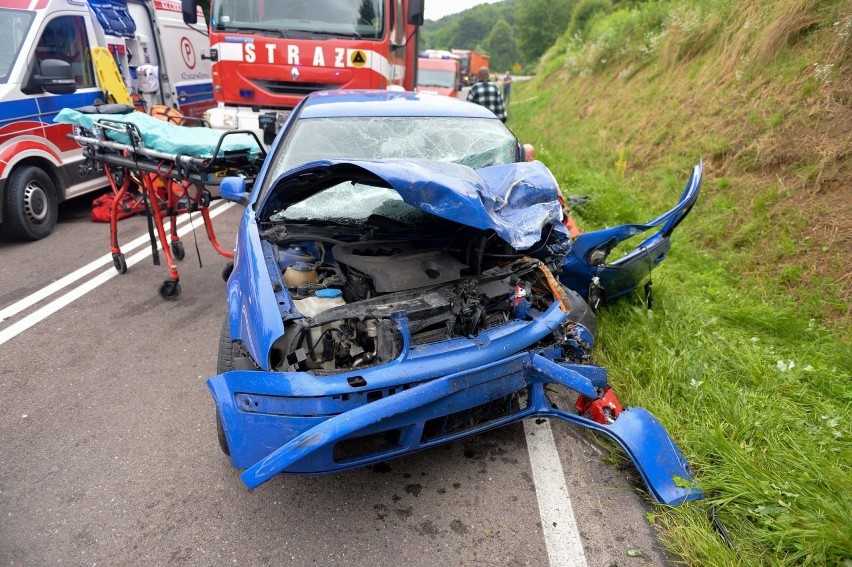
(119, 263)
(226, 271)
(170, 290)
(177, 250)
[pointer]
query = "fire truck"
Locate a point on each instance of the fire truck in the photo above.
(268, 55)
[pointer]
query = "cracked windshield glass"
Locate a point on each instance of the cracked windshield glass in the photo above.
(364, 204)
(474, 142)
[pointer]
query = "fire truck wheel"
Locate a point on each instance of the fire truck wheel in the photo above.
(31, 206)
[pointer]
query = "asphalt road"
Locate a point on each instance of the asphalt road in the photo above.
(109, 452)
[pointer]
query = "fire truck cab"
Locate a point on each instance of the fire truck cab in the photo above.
(47, 64)
(268, 55)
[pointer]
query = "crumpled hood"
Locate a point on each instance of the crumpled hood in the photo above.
(515, 200)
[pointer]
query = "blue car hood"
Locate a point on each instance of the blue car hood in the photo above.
(515, 200)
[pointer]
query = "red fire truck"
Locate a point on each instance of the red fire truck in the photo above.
(269, 54)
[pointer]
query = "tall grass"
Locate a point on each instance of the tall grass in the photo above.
(746, 356)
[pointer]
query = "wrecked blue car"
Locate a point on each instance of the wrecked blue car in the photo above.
(383, 306)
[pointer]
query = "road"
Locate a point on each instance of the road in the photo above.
(109, 452)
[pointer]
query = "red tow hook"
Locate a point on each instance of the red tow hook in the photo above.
(604, 410)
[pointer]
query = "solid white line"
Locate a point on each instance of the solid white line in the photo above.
(44, 312)
(65, 281)
(561, 536)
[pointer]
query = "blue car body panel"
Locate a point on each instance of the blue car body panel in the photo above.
(625, 274)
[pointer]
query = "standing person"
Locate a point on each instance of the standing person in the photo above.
(487, 94)
(507, 87)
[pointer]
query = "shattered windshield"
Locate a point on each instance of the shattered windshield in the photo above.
(349, 18)
(475, 142)
(363, 204)
(14, 25)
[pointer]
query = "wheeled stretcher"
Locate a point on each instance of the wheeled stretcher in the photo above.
(174, 166)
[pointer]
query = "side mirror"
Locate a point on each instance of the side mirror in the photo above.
(415, 12)
(190, 11)
(55, 76)
(234, 189)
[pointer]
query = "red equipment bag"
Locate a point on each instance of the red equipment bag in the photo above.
(131, 203)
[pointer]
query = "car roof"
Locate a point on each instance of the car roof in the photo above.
(333, 104)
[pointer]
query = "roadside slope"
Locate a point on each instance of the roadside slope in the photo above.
(746, 355)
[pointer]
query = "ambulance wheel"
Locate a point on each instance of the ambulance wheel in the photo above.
(170, 290)
(177, 250)
(226, 271)
(31, 206)
(119, 263)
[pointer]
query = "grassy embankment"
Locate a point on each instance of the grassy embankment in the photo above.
(746, 355)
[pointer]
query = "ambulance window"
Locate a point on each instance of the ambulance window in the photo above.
(65, 38)
(14, 25)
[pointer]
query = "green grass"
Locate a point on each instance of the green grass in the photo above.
(747, 369)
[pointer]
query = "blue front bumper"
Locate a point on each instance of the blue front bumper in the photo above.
(299, 423)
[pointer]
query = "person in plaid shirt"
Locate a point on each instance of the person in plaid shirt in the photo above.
(487, 94)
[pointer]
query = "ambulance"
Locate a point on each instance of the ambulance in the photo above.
(47, 64)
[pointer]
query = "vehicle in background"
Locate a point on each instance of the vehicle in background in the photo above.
(470, 62)
(438, 73)
(269, 54)
(46, 64)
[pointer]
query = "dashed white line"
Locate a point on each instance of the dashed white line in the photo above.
(561, 536)
(42, 313)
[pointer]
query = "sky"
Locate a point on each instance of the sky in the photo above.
(436, 9)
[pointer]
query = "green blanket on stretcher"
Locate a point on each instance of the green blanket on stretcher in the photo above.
(164, 136)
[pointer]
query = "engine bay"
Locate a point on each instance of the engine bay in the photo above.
(348, 295)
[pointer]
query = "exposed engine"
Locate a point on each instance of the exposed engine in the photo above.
(351, 298)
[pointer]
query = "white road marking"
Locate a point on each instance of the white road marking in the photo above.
(63, 282)
(564, 548)
(41, 314)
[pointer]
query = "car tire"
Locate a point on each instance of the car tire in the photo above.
(581, 312)
(224, 363)
(228, 359)
(31, 206)
(225, 359)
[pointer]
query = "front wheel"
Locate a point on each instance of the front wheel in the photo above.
(32, 205)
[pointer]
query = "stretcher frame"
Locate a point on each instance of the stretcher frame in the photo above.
(185, 178)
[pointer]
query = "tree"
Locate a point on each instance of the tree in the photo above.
(502, 47)
(540, 23)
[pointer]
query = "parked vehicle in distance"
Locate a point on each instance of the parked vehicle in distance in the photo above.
(438, 73)
(46, 64)
(267, 56)
(383, 306)
(470, 62)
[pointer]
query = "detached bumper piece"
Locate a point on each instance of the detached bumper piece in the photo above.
(296, 423)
